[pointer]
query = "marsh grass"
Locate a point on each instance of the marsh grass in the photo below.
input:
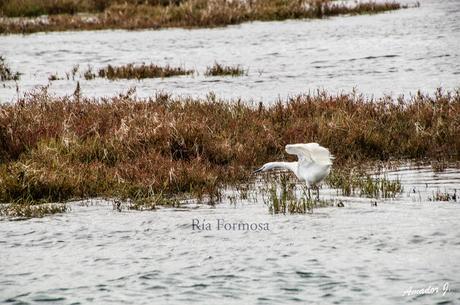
(439, 166)
(380, 187)
(5, 71)
(53, 77)
(444, 196)
(147, 203)
(26, 210)
(283, 198)
(55, 149)
(152, 201)
(33, 8)
(88, 74)
(131, 71)
(72, 73)
(110, 14)
(222, 70)
(350, 182)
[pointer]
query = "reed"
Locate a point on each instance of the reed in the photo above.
(62, 15)
(151, 202)
(53, 77)
(284, 198)
(57, 148)
(444, 196)
(351, 182)
(88, 73)
(26, 210)
(222, 70)
(5, 71)
(33, 8)
(131, 71)
(72, 73)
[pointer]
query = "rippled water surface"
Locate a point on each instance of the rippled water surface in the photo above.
(359, 254)
(391, 53)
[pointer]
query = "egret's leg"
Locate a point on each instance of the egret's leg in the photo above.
(317, 193)
(309, 193)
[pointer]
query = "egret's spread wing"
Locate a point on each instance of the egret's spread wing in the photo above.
(301, 150)
(310, 153)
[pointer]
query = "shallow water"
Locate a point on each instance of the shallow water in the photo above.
(392, 53)
(359, 254)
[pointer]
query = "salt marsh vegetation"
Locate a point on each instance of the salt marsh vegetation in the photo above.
(6, 73)
(29, 16)
(223, 70)
(55, 149)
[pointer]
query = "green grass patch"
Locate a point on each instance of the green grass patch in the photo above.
(360, 183)
(20, 211)
(283, 199)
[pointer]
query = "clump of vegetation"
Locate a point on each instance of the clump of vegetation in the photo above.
(57, 148)
(350, 183)
(438, 165)
(285, 200)
(53, 77)
(33, 8)
(87, 74)
(287, 203)
(5, 71)
(380, 187)
(151, 202)
(72, 73)
(146, 203)
(444, 196)
(130, 71)
(139, 14)
(221, 70)
(27, 210)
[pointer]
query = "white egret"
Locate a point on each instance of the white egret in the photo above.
(313, 165)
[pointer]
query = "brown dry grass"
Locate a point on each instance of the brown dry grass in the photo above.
(131, 71)
(189, 14)
(33, 8)
(54, 149)
(5, 71)
(222, 70)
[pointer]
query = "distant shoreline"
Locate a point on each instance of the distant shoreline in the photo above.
(36, 16)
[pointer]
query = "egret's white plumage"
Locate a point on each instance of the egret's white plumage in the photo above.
(313, 165)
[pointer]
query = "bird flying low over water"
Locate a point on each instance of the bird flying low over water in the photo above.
(313, 165)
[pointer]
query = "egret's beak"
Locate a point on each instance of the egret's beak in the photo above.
(257, 171)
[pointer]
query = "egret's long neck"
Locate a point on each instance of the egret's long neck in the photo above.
(292, 166)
